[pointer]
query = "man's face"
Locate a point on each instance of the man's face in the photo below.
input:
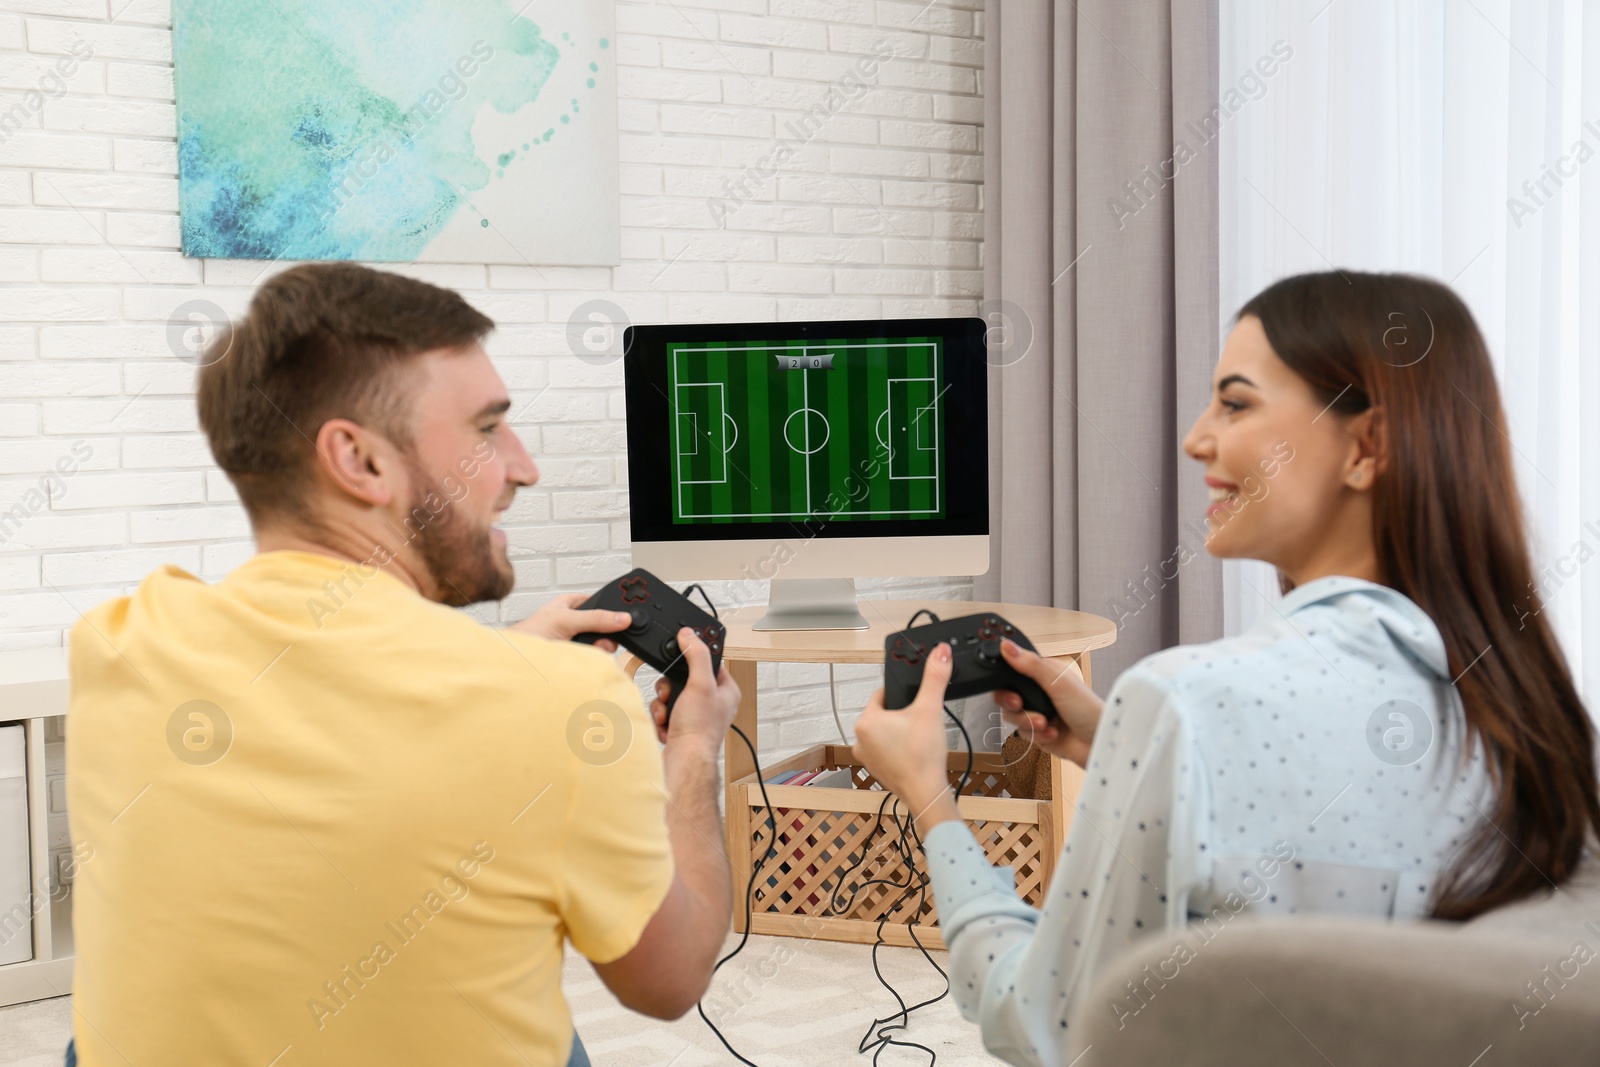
(465, 466)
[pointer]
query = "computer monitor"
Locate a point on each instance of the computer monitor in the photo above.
(807, 455)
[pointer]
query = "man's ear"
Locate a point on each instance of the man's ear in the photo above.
(356, 462)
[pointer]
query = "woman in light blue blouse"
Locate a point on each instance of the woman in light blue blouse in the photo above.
(1399, 738)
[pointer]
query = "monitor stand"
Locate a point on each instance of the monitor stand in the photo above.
(812, 604)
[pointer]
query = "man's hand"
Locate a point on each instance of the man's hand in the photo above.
(1077, 705)
(560, 620)
(705, 709)
(906, 750)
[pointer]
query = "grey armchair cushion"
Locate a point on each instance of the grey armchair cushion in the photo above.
(1566, 909)
(1521, 985)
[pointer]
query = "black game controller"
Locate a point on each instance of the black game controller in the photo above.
(659, 612)
(976, 664)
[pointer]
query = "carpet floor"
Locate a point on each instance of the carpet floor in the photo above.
(784, 1002)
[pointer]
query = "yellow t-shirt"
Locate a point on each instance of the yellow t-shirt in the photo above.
(328, 821)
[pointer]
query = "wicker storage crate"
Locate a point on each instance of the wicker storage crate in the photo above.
(822, 831)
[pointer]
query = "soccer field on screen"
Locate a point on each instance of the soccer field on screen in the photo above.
(794, 430)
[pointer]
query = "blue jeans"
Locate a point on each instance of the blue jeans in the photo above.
(579, 1058)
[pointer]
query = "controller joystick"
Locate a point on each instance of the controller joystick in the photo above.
(989, 651)
(657, 612)
(976, 663)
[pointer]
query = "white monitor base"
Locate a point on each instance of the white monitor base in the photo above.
(812, 604)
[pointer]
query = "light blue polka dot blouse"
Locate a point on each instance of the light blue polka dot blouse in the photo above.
(1317, 763)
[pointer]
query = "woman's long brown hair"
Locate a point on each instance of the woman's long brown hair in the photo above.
(1448, 529)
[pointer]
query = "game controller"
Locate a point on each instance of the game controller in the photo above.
(976, 664)
(658, 612)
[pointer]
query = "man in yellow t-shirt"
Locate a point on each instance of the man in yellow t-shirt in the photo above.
(328, 817)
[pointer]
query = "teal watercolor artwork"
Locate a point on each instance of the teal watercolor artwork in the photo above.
(477, 131)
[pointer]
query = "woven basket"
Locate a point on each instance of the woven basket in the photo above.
(822, 831)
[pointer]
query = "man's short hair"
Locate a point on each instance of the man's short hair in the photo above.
(320, 341)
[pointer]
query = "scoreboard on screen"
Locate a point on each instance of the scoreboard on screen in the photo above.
(847, 430)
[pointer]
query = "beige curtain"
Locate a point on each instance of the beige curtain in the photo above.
(1101, 278)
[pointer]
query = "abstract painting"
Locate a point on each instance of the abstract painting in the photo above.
(478, 131)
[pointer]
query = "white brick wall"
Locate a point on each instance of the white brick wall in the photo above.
(876, 214)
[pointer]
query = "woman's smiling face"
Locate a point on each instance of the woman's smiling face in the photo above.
(1286, 473)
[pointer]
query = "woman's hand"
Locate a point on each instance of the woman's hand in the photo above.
(906, 750)
(1079, 709)
(560, 620)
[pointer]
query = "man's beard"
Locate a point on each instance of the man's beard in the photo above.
(459, 557)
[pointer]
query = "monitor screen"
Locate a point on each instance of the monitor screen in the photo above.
(855, 428)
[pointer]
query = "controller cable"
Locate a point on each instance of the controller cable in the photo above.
(749, 892)
(833, 702)
(877, 1036)
(697, 587)
(755, 869)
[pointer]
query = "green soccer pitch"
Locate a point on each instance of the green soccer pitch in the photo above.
(791, 430)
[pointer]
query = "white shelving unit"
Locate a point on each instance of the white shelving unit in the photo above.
(33, 691)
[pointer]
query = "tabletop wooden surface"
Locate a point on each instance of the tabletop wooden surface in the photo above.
(1053, 631)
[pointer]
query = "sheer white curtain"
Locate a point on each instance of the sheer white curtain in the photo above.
(1458, 139)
